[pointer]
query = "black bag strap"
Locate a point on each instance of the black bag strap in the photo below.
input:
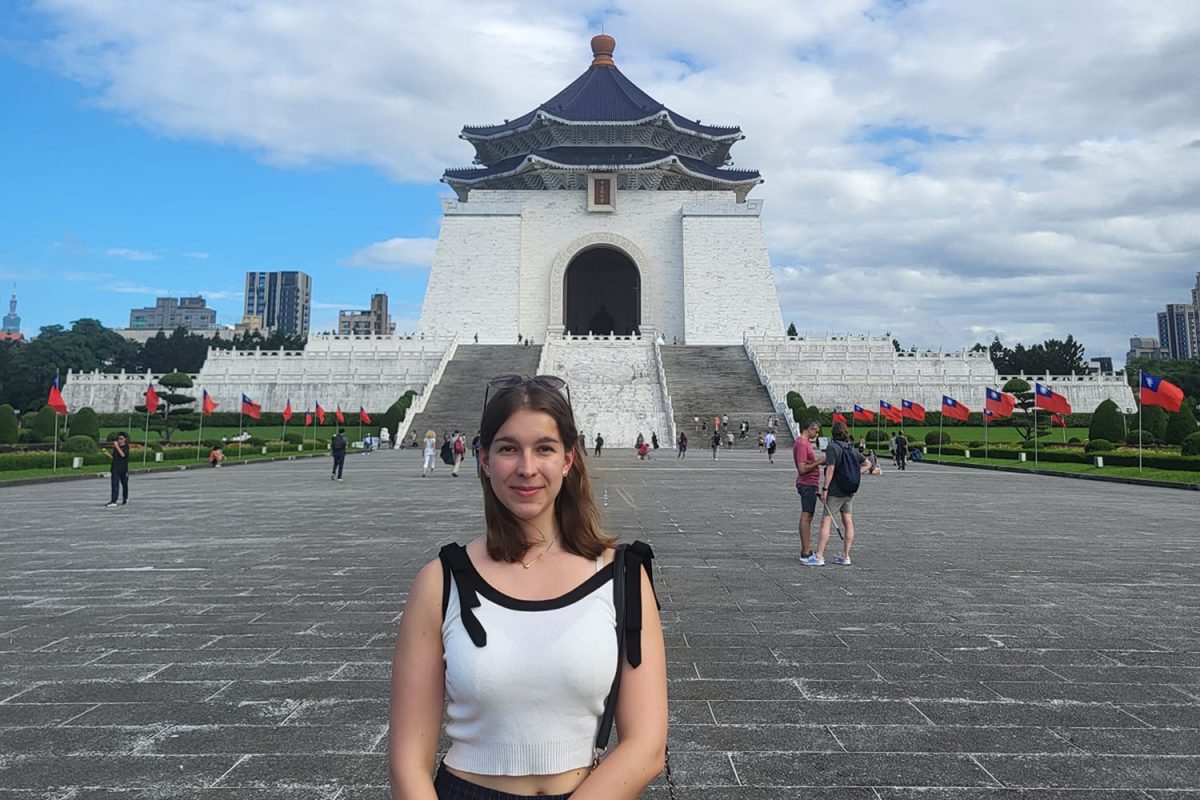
(455, 562)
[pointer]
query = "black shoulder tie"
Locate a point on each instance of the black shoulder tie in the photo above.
(454, 558)
(639, 556)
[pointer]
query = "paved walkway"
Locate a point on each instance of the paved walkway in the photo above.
(228, 634)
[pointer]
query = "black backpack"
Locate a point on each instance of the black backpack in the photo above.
(847, 472)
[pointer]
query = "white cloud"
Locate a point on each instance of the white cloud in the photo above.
(136, 288)
(130, 254)
(394, 254)
(945, 169)
(196, 255)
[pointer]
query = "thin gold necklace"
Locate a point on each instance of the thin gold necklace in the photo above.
(528, 564)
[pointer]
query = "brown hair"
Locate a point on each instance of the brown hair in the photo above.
(840, 434)
(574, 507)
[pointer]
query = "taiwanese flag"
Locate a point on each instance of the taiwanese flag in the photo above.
(862, 415)
(1051, 401)
(341, 418)
(953, 409)
(151, 400)
(287, 411)
(307, 418)
(1057, 420)
(251, 409)
(999, 403)
(914, 411)
(838, 416)
(363, 416)
(889, 411)
(987, 412)
(207, 404)
(59, 405)
(320, 414)
(1154, 392)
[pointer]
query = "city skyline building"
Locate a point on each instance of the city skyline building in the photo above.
(1177, 334)
(169, 313)
(11, 328)
(375, 321)
(1144, 347)
(282, 300)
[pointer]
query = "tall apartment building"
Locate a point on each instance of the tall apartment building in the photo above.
(169, 313)
(1177, 331)
(11, 329)
(283, 300)
(1144, 347)
(374, 322)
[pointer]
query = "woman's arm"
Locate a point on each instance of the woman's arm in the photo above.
(641, 718)
(418, 689)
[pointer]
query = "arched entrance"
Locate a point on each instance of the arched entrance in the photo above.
(603, 292)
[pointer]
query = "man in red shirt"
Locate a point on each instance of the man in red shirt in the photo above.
(808, 478)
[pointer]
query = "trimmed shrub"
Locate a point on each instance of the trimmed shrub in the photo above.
(8, 425)
(1074, 440)
(933, 437)
(794, 400)
(874, 435)
(85, 423)
(1180, 426)
(44, 423)
(1147, 438)
(27, 436)
(43, 459)
(975, 444)
(1154, 420)
(254, 441)
(1107, 423)
(1099, 445)
(80, 444)
(294, 438)
(1191, 445)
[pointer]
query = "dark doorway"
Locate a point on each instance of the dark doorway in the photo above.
(603, 294)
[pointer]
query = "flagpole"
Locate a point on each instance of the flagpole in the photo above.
(1140, 404)
(55, 467)
(941, 419)
(283, 436)
(240, 428)
(200, 435)
(985, 431)
(146, 439)
(1035, 434)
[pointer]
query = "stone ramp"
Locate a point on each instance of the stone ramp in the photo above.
(457, 400)
(711, 380)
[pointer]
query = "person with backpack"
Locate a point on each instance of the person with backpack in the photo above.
(337, 446)
(901, 450)
(844, 467)
(459, 446)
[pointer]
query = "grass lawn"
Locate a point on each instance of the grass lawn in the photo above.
(266, 432)
(964, 434)
(231, 457)
(1166, 475)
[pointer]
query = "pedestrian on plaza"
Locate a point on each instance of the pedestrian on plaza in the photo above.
(637, 445)
(414, 440)
(338, 446)
(430, 452)
(901, 450)
(696, 422)
(475, 450)
(459, 446)
(599, 444)
(683, 443)
(769, 441)
(725, 422)
(808, 479)
(495, 640)
(704, 427)
(119, 454)
(761, 442)
(729, 440)
(745, 428)
(837, 496)
(716, 423)
(643, 451)
(716, 443)
(446, 453)
(654, 440)
(862, 444)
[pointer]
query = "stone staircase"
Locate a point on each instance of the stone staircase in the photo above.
(457, 400)
(711, 380)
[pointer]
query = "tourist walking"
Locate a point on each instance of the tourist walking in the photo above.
(517, 668)
(459, 446)
(901, 450)
(716, 443)
(843, 472)
(654, 440)
(637, 445)
(599, 444)
(769, 441)
(808, 479)
(728, 439)
(430, 452)
(475, 451)
(683, 443)
(696, 423)
(761, 445)
(338, 446)
(119, 474)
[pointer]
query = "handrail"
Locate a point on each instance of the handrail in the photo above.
(421, 400)
(669, 407)
(780, 407)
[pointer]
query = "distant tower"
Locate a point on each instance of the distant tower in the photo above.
(12, 322)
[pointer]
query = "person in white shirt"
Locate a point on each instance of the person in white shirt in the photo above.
(430, 452)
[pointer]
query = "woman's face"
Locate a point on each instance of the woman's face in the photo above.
(526, 465)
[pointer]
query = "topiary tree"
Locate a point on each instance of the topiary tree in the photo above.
(1023, 411)
(1154, 420)
(1098, 446)
(933, 437)
(1191, 445)
(1146, 438)
(80, 444)
(1107, 423)
(86, 423)
(791, 331)
(172, 400)
(44, 424)
(1180, 426)
(8, 424)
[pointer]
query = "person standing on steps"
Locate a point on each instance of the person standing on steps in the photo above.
(338, 446)
(459, 445)
(120, 469)
(808, 479)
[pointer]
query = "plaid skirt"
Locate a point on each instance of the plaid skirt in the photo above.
(451, 787)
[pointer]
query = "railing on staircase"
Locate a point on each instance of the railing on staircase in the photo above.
(668, 406)
(421, 400)
(777, 401)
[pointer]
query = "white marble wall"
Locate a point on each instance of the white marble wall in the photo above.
(616, 388)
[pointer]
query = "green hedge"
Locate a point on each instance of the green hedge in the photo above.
(1099, 445)
(79, 444)
(42, 459)
(1191, 445)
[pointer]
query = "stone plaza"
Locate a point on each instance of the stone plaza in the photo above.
(228, 634)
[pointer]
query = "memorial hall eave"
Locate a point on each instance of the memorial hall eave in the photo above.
(596, 159)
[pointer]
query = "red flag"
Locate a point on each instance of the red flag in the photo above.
(341, 418)
(953, 409)
(56, 401)
(889, 411)
(1051, 400)
(320, 414)
(151, 400)
(307, 418)
(1000, 404)
(251, 409)
(839, 417)
(1154, 392)
(1057, 420)
(863, 415)
(287, 411)
(364, 416)
(207, 404)
(914, 411)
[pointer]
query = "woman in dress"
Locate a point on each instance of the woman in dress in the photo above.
(514, 633)
(430, 452)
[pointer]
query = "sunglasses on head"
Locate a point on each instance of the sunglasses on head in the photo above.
(511, 380)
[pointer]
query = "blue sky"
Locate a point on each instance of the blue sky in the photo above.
(944, 171)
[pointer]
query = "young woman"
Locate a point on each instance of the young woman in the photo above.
(517, 632)
(430, 452)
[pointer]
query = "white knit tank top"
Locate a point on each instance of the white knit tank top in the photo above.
(528, 702)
